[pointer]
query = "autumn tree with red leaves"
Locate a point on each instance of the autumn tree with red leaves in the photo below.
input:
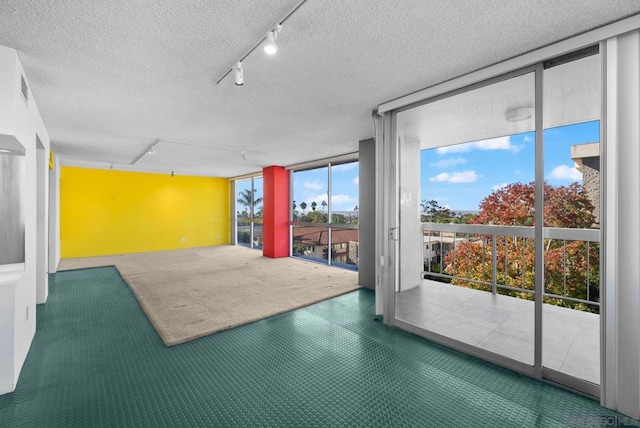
(513, 205)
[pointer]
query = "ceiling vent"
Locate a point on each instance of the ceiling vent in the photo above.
(24, 89)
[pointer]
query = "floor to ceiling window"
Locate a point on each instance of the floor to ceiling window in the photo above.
(571, 310)
(475, 240)
(325, 214)
(508, 207)
(248, 204)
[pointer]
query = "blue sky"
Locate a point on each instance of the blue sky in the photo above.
(312, 185)
(460, 176)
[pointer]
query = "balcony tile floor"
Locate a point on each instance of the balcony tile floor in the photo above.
(505, 325)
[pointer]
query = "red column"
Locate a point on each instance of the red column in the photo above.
(275, 213)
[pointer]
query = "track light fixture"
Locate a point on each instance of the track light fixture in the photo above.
(270, 46)
(239, 74)
(151, 150)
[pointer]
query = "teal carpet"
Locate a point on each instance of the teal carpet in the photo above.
(96, 361)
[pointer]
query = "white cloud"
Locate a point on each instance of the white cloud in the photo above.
(317, 198)
(500, 143)
(341, 199)
(458, 148)
(447, 163)
(565, 172)
(356, 180)
(313, 185)
(456, 177)
(343, 202)
(499, 186)
(528, 138)
(339, 202)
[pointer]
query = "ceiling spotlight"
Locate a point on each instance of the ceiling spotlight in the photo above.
(5, 151)
(239, 74)
(270, 47)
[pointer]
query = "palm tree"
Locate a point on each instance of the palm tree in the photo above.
(247, 199)
(303, 206)
(324, 204)
(313, 205)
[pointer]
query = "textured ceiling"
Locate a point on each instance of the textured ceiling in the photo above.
(571, 95)
(111, 77)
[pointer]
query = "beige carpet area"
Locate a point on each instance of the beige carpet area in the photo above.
(190, 293)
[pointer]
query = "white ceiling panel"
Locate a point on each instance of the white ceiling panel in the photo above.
(571, 94)
(110, 77)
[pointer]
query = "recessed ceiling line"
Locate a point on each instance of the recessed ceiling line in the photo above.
(231, 149)
(151, 149)
(276, 29)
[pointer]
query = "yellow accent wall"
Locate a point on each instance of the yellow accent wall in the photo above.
(106, 212)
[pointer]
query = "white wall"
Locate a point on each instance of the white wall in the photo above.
(367, 220)
(22, 121)
(8, 281)
(621, 386)
(42, 222)
(411, 240)
(54, 217)
(9, 95)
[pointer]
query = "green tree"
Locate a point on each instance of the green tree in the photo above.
(317, 217)
(247, 199)
(354, 218)
(244, 237)
(468, 218)
(338, 219)
(324, 204)
(433, 212)
(299, 248)
(303, 206)
(314, 205)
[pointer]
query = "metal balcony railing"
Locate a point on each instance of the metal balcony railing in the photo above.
(501, 259)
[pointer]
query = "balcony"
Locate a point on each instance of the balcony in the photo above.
(489, 302)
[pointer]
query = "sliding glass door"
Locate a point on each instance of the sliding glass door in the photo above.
(504, 206)
(477, 205)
